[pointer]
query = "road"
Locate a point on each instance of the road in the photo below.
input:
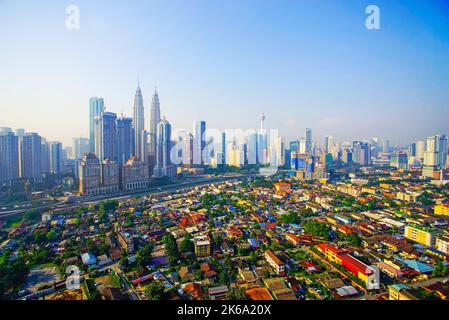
(62, 205)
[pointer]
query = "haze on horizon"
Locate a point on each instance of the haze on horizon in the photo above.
(302, 63)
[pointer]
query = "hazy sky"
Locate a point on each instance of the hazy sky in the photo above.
(307, 63)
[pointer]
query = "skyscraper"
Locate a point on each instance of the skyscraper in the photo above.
(106, 136)
(420, 149)
(155, 117)
(187, 148)
(223, 148)
(164, 167)
(80, 147)
(361, 153)
(328, 144)
(32, 156)
(303, 146)
(20, 133)
(294, 146)
(399, 160)
(96, 106)
(386, 146)
(252, 148)
(436, 151)
(9, 155)
(199, 143)
(56, 157)
(124, 139)
(45, 156)
(138, 125)
(308, 140)
(262, 142)
(280, 151)
(412, 150)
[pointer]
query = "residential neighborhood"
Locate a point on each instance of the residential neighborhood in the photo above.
(256, 238)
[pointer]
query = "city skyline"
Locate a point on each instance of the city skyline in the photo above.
(351, 83)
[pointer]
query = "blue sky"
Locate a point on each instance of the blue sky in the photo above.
(307, 63)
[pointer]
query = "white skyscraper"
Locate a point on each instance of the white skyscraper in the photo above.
(436, 151)
(328, 144)
(262, 142)
(155, 118)
(139, 125)
(420, 149)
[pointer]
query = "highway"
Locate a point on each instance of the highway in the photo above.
(62, 205)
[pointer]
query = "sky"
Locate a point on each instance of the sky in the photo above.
(304, 63)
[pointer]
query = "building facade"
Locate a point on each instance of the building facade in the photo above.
(134, 175)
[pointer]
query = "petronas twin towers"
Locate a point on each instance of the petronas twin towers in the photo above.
(144, 142)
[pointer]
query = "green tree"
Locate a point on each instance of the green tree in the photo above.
(154, 291)
(186, 244)
(171, 248)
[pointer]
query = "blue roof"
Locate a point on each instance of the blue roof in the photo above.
(253, 242)
(417, 265)
(400, 286)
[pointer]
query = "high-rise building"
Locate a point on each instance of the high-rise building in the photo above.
(9, 155)
(280, 150)
(303, 146)
(399, 160)
(106, 136)
(124, 139)
(187, 149)
(32, 156)
(199, 143)
(20, 133)
(134, 175)
(420, 149)
(45, 156)
(386, 146)
(436, 151)
(328, 144)
(138, 125)
(155, 117)
(223, 148)
(96, 107)
(80, 147)
(412, 149)
(163, 167)
(236, 153)
(252, 148)
(346, 155)
(308, 140)
(97, 178)
(361, 153)
(56, 157)
(294, 146)
(435, 156)
(262, 142)
(89, 175)
(110, 176)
